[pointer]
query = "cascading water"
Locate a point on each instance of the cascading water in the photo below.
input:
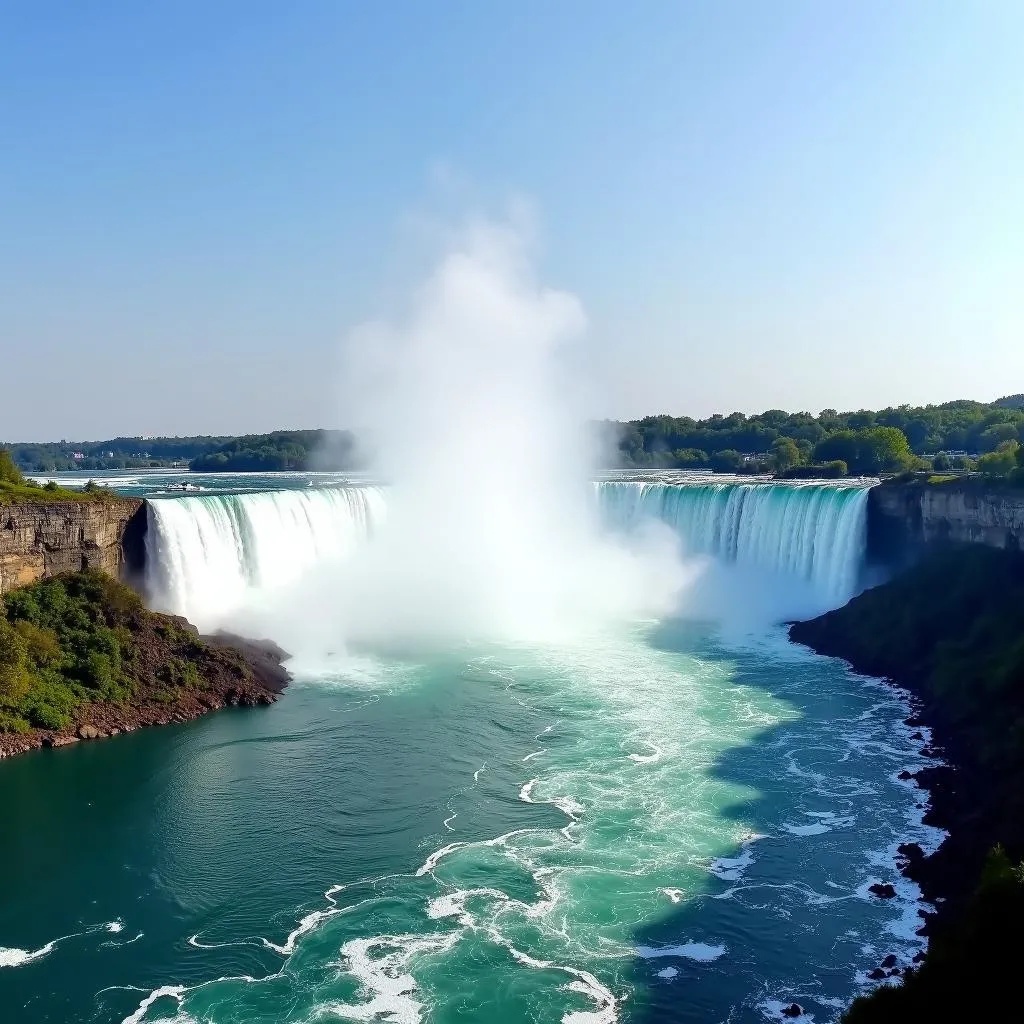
(208, 555)
(813, 532)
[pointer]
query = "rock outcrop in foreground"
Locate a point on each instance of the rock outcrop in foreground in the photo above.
(45, 538)
(82, 658)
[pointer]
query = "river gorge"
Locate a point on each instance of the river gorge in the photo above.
(610, 811)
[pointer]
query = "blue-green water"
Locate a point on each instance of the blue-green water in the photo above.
(654, 824)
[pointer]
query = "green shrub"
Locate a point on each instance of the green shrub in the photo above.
(9, 472)
(180, 673)
(14, 675)
(12, 723)
(50, 704)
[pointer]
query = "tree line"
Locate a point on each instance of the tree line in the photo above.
(987, 435)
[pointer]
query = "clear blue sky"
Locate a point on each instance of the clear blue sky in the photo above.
(760, 205)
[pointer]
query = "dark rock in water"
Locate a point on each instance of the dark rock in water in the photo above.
(905, 776)
(918, 957)
(793, 1010)
(877, 974)
(917, 736)
(883, 890)
(889, 962)
(912, 852)
(895, 972)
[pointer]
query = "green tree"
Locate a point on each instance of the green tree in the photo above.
(785, 453)
(941, 463)
(689, 458)
(727, 461)
(1002, 461)
(885, 450)
(9, 472)
(14, 677)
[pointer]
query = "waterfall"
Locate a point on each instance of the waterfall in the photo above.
(209, 554)
(813, 532)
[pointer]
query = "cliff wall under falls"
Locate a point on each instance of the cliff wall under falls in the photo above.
(41, 540)
(904, 519)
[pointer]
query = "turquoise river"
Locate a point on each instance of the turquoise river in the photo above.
(663, 821)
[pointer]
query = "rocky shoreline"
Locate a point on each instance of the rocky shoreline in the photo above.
(236, 672)
(949, 632)
(950, 786)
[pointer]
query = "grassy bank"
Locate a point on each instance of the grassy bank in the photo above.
(16, 489)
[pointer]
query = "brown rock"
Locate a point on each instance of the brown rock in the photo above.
(42, 539)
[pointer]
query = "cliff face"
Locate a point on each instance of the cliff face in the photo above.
(903, 519)
(42, 539)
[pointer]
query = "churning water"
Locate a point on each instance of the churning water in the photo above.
(651, 821)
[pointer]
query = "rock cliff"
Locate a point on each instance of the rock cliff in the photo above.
(905, 518)
(42, 539)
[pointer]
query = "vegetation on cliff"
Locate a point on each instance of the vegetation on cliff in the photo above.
(951, 629)
(15, 488)
(84, 639)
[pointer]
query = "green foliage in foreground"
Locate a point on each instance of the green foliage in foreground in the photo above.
(84, 637)
(64, 641)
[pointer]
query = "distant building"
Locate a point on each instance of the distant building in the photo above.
(78, 455)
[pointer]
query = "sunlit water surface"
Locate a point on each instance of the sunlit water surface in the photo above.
(651, 825)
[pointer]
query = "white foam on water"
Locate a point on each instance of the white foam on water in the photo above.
(731, 869)
(656, 754)
(675, 895)
(17, 957)
(14, 957)
(702, 952)
(584, 983)
(819, 827)
(165, 991)
(774, 1009)
(385, 979)
(438, 855)
(307, 924)
(668, 972)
